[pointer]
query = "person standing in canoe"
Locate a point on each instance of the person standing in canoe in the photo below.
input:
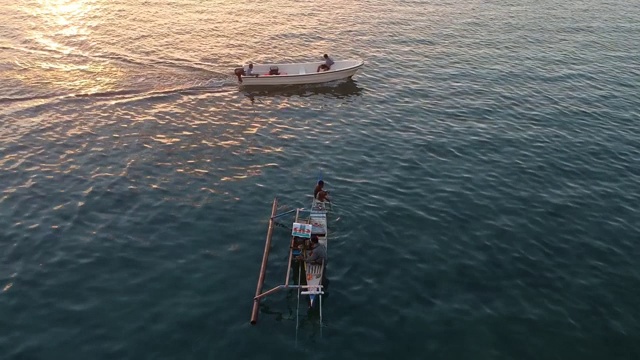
(319, 194)
(328, 62)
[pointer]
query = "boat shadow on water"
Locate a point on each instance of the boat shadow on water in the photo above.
(337, 89)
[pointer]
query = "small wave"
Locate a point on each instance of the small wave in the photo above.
(28, 98)
(29, 103)
(114, 93)
(210, 87)
(176, 63)
(184, 64)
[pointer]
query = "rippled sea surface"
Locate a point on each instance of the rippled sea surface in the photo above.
(484, 166)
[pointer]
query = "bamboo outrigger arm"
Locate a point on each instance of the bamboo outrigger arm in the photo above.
(263, 267)
(269, 292)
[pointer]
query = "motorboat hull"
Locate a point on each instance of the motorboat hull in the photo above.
(299, 74)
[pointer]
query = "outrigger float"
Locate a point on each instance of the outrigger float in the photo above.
(307, 222)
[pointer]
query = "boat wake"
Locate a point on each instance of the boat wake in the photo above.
(212, 85)
(12, 105)
(42, 77)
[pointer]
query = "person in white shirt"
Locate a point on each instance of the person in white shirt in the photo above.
(327, 63)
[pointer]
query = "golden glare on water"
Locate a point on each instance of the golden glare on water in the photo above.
(63, 17)
(60, 21)
(61, 31)
(88, 78)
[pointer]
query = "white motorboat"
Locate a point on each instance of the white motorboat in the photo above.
(296, 73)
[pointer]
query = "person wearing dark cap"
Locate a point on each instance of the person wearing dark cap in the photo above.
(327, 63)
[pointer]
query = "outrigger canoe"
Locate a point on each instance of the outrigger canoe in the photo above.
(296, 73)
(307, 222)
(312, 222)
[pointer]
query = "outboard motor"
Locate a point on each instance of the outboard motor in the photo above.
(274, 70)
(239, 72)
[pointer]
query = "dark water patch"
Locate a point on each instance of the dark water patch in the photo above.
(340, 90)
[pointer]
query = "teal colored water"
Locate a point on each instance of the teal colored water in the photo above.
(483, 165)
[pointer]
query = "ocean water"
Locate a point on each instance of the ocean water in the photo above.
(483, 167)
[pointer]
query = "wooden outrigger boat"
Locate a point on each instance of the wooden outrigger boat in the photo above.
(307, 222)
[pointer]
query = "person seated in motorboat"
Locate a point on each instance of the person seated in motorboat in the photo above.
(318, 253)
(241, 71)
(319, 193)
(328, 62)
(249, 71)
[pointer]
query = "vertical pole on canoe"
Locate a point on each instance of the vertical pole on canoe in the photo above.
(321, 290)
(263, 267)
(298, 308)
(320, 295)
(293, 242)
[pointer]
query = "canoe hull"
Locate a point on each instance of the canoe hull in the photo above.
(315, 273)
